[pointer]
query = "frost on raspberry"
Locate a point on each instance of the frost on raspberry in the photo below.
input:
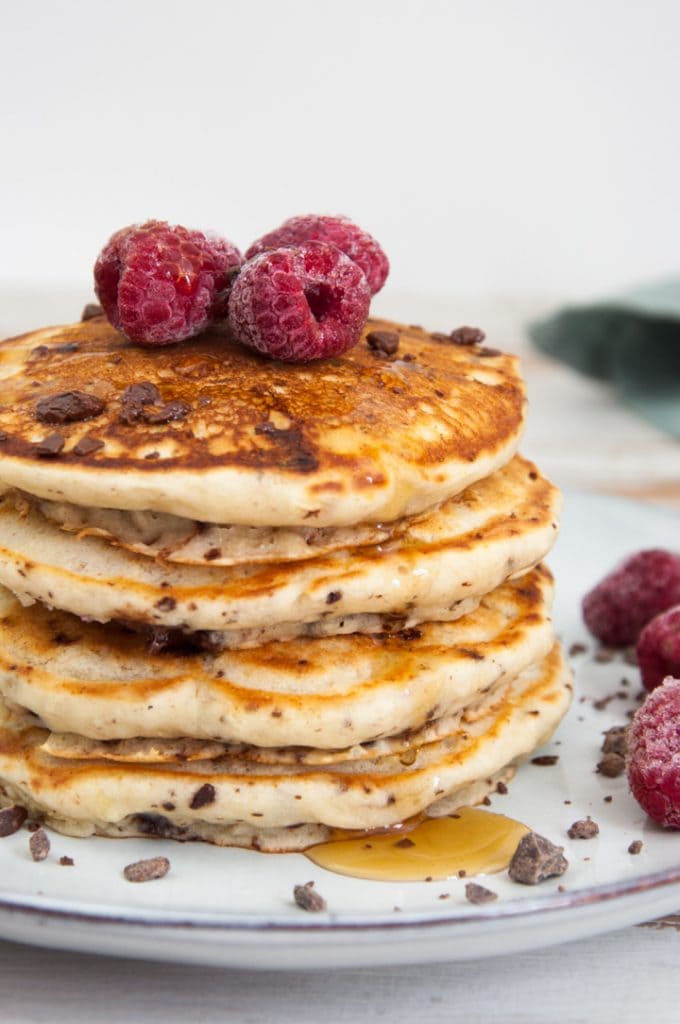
(654, 754)
(298, 304)
(159, 283)
(647, 583)
(658, 648)
(338, 231)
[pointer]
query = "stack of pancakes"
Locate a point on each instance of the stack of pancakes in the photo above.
(255, 603)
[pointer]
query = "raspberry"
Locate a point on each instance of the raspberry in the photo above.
(159, 284)
(654, 754)
(658, 648)
(624, 601)
(338, 231)
(300, 303)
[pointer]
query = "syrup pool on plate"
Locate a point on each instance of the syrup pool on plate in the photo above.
(472, 840)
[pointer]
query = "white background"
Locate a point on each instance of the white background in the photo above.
(494, 148)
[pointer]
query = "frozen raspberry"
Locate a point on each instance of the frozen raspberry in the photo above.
(624, 601)
(338, 231)
(654, 754)
(159, 284)
(298, 304)
(658, 648)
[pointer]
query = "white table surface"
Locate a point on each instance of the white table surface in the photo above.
(581, 437)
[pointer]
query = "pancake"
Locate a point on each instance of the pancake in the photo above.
(96, 796)
(101, 682)
(497, 528)
(233, 438)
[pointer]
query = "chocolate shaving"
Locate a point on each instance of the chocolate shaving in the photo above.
(612, 765)
(616, 740)
(68, 407)
(467, 336)
(147, 870)
(90, 311)
(477, 894)
(536, 859)
(307, 898)
(39, 845)
(50, 445)
(383, 342)
(11, 819)
(203, 796)
(585, 828)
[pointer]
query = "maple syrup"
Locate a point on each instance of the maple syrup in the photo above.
(472, 841)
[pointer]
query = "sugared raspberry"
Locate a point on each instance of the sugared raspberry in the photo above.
(658, 648)
(159, 284)
(338, 231)
(300, 303)
(654, 754)
(624, 601)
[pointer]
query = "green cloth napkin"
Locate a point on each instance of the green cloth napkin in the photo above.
(632, 341)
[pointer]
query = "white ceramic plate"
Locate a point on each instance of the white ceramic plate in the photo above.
(234, 907)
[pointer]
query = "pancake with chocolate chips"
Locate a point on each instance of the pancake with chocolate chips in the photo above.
(211, 432)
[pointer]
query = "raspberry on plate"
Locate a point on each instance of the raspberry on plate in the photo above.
(159, 284)
(658, 648)
(298, 304)
(338, 231)
(623, 602)
(654, 754)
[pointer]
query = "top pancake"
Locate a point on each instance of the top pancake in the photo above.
(360, 438)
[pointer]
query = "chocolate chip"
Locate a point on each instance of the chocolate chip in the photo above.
(212, 553)
(168, 413)
(410, 634)
(612, 765)
(69, 407)
(39, 845)
(333, 595)
(585, 828)
(66, 862)
(545, 759)
(50, 445)
(143, 393)
(636, 846)
(168, 806)
(467, 336)
(203, 796)
(536, 859)
(404, 844)
(385, 342)
(147, 870)
(90, 311)
(475, 893)
(39, 351)
(166, 604)
(87, 445)
(307, 898)
(11, 819)
(616, 740)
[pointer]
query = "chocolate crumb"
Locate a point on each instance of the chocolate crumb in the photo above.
(561, 888)
(166, 604)
(486, 801)
(39, 845)
(383, 342)
(168, 806)
(147, 870)
(168, 413)
(501, 788)
(616, 740)
(479, 894)
(536, 859)
(576, 649)
(33, 826)
(333, 595)
(212, 553)
(604, 655)
(66, 862)
(612, 765)
(636, 846)
(444, 896)
(410, 634)
(90, 311)
(39, 351)
(546, 759)
(467, 336)
(489, 352)
(307, 898)
(87, 445)
(68, 407)
(608, 799)
(50, 445)
(67, 346)
(585, 828)
(11, 819)
(630, 655)
(203, 796)
(403, 844)
(462, 873)
(142, 393)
